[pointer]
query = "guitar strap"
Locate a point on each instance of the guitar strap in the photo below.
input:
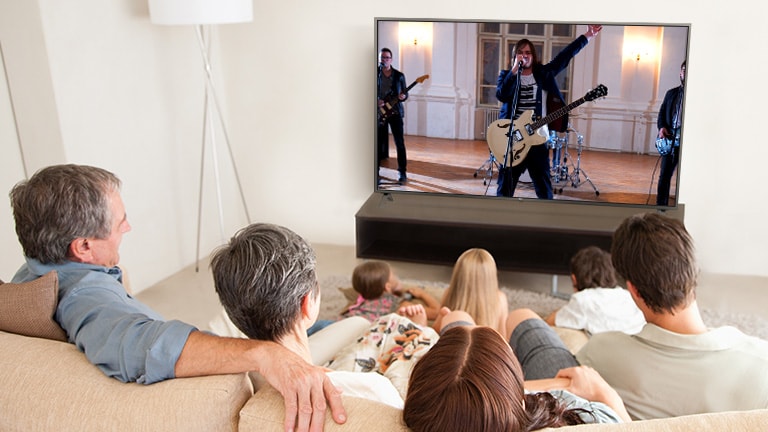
(553, 104)
(678, 108)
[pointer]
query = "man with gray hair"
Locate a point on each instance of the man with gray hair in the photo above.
(71, 219)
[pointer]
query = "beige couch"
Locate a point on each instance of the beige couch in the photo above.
(49, 385)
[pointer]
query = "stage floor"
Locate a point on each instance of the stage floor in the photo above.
(452, 166)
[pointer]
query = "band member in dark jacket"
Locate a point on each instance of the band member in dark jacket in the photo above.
(669, 122)
(534, 79)
(391, 81)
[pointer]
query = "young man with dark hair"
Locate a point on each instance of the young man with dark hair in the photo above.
(675, 365)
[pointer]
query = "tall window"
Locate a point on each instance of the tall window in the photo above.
(497, 43)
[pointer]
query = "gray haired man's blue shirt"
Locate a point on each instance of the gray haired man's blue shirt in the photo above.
(120, 335)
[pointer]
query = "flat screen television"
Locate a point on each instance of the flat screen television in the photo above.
(602, 144)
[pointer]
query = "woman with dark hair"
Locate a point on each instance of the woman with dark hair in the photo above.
(472, 381)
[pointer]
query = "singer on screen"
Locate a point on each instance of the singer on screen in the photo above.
(522, 87)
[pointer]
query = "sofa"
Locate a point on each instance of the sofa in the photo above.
(47, 384)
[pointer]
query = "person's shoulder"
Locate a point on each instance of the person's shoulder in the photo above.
(744, 340)
(608, 339)
(600, 292)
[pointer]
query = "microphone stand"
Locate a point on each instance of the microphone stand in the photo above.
(512, 111)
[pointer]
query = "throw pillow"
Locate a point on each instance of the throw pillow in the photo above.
(28, 308)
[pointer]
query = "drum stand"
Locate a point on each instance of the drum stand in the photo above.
(488, 167)
(560, 171)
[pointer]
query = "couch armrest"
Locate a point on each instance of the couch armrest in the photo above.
(50, 385)
(742, 421)
(265, 412)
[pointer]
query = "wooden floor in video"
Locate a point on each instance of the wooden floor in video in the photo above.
(461, 167)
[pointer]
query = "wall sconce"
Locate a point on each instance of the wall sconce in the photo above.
(639, 48)
(639, 51)
(416, 33)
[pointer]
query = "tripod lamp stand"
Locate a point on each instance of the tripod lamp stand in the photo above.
(202, 14)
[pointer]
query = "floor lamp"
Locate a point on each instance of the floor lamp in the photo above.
(202, 14)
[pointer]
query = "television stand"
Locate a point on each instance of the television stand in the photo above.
(522, 235)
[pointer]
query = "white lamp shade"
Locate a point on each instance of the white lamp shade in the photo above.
(186, 12)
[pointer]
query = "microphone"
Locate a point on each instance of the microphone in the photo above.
(520, 63)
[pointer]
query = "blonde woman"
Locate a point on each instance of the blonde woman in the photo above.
(474, 289)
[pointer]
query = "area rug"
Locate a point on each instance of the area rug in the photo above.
(333, 301)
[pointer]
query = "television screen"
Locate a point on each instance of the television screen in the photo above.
(531, 110)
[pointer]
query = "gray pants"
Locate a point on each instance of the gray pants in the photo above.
(540, 350)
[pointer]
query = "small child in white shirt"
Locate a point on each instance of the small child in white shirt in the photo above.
(598, 303)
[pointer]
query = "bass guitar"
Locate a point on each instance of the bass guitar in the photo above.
(389, 108)
(664, 145)
(527, 132)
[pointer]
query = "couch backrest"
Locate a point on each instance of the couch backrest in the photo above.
(50, 385)
(265, 412)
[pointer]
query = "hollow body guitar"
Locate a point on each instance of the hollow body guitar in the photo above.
(389, 108)
(527, 132)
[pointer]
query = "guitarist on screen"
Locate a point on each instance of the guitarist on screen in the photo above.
(390, 82)
(534, 81)
(669, 123)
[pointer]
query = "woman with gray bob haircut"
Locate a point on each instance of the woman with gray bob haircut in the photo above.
(265, 278)
(262, 277)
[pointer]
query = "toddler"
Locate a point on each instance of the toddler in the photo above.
(598, 304)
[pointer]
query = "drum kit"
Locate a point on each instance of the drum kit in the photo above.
(564, 170)
(563, 173)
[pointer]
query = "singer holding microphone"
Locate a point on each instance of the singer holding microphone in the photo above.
(522, 87)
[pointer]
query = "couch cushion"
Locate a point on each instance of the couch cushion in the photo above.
(265, 412)
(28, 308)
(51, 386)
(742, 421)
(573, 339)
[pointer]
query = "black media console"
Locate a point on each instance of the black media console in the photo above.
(522, 235)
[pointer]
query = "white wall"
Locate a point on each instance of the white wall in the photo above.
(128, 95)
(11, 170)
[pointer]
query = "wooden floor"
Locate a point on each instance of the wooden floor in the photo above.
(461, 167)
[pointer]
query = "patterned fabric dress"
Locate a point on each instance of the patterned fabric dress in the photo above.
(374, 308)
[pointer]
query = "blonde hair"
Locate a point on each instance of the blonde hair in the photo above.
(474, 288)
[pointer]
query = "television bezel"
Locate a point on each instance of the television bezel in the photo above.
(642, 207)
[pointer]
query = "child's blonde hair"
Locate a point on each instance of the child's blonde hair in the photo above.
(474, 287)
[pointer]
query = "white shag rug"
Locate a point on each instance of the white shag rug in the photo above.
(333, 301)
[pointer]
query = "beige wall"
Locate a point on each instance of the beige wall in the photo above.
(128, 97)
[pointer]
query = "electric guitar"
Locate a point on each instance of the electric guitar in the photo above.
(664, 145)
(526, 132)
(389, 108)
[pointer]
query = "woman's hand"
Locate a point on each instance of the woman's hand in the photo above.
(587, 383)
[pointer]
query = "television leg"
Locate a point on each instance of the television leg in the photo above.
(555, 292)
